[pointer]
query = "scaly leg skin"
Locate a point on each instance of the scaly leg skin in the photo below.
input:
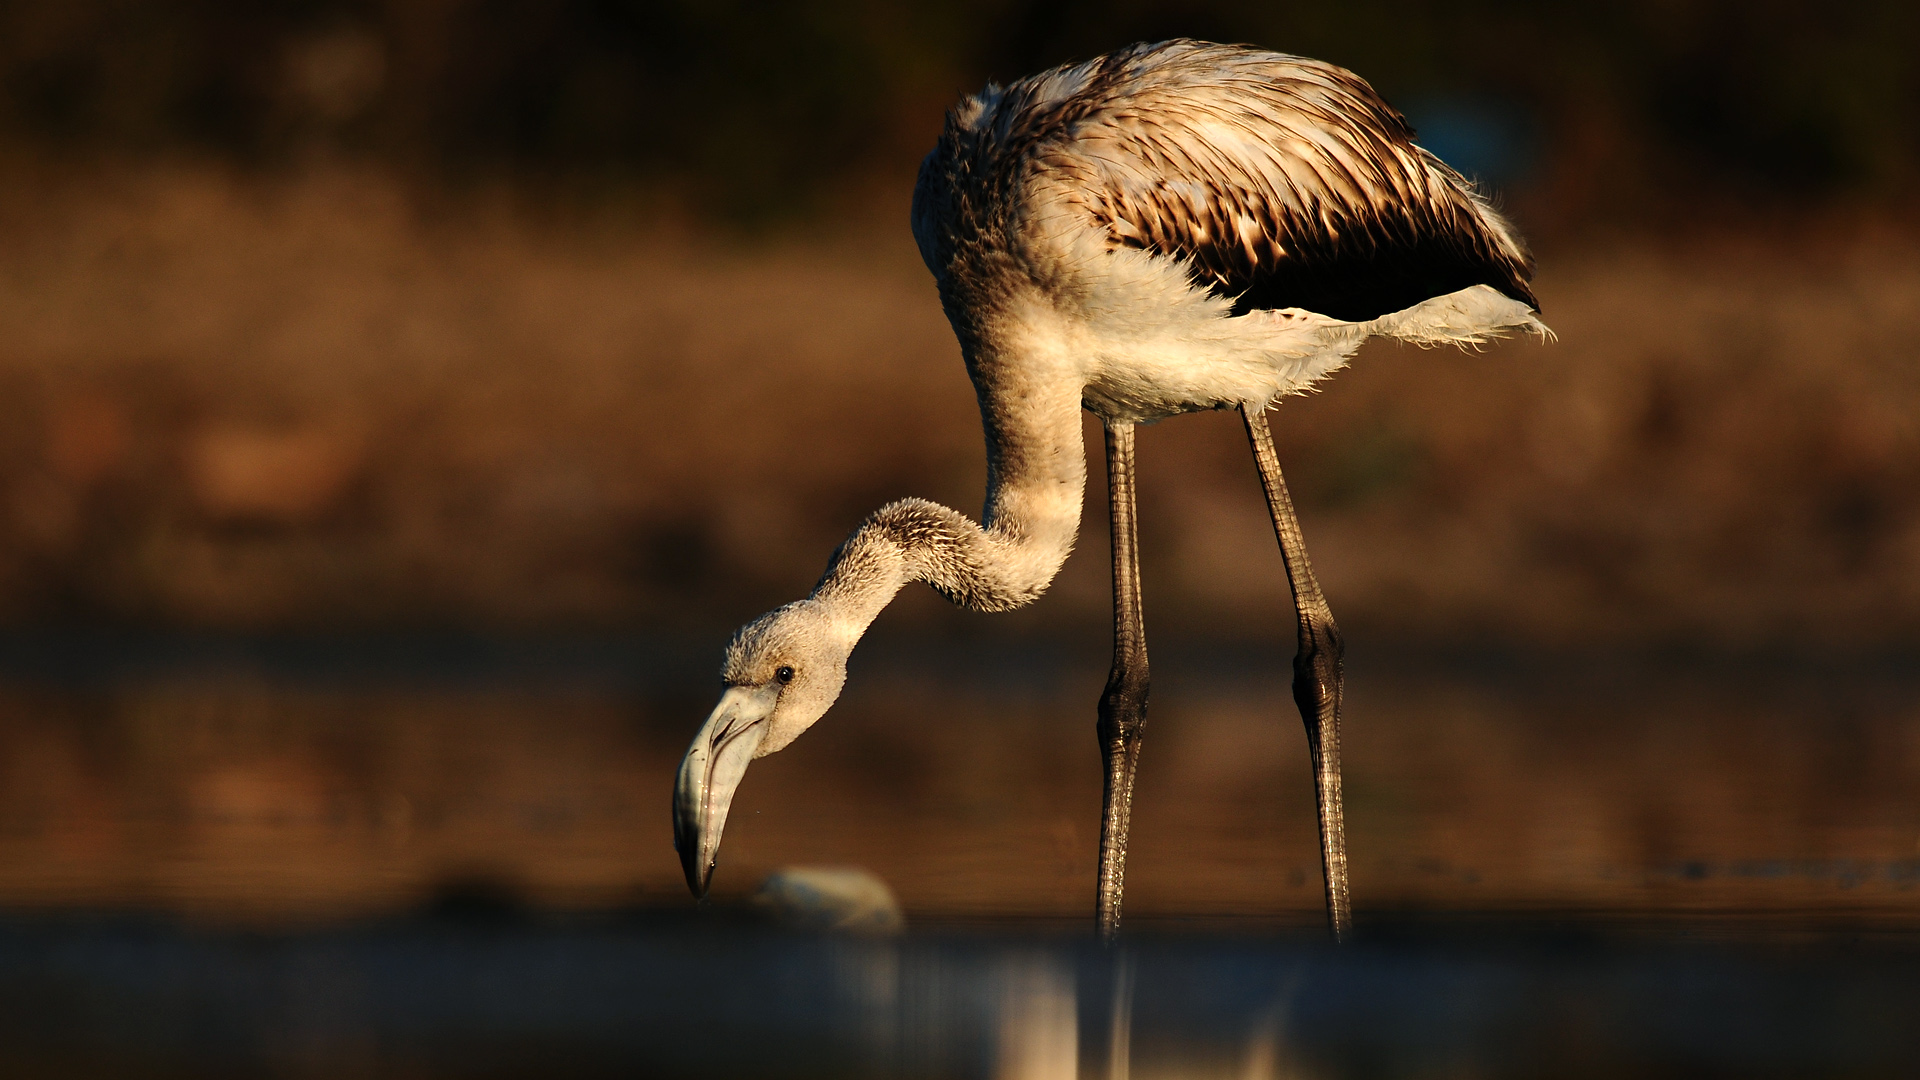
(1316, 673)
(1123, 707)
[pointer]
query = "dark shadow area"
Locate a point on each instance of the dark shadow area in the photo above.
(679, 996)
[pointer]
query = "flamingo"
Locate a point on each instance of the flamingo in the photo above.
(1164, 229)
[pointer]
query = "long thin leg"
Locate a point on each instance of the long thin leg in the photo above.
(1123, 707)
(1316, 672)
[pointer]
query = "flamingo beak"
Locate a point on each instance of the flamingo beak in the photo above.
(711, 772)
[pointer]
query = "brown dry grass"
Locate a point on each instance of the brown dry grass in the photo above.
(327, 400)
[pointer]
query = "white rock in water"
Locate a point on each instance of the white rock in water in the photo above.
(846, 899)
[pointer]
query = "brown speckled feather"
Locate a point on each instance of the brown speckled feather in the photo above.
(1285, 182)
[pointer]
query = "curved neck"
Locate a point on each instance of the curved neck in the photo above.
(1036, 476)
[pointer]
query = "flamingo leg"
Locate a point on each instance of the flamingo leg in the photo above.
(1123, 706)
(1316, 673)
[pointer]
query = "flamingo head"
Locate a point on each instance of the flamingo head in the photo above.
(782, 672)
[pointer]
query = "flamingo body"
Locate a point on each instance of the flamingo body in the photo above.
(1168, 228)
(1190, 226)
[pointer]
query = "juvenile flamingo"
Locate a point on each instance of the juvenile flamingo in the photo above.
(1168, 228)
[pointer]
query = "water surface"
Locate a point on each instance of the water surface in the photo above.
(445, 856)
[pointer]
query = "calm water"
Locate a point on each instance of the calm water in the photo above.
(493, 996)
(443, 856)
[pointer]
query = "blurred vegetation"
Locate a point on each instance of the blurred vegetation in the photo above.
(276, 351)
(748, 109)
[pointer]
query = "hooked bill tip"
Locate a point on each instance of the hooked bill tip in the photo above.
(698, 877)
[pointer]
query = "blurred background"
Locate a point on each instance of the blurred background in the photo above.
(400, 403)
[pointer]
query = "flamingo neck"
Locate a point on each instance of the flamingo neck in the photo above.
(1036, 475)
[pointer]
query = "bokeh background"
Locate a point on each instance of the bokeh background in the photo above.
(401, 402)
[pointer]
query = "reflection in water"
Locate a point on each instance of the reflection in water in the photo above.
(1122, 972)
(1039, 1023)
(1267, 1054)
(657, 997)
(520, 815)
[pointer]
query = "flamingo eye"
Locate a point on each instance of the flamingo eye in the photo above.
(785, 674)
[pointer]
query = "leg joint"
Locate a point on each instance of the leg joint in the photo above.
(1123, 709)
